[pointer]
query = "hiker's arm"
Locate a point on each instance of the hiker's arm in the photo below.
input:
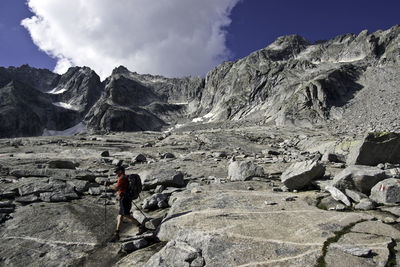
(113, 187)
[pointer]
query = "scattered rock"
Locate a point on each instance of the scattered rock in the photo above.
(27, 199)
(131, 246)
(300, 174)
(63, 164)
(153, 178)
(338, 195)
(360, 178)
(117, 162)
(153, 223)
(365, 204)
(155, 201)
(167, 156)
(353, 250)
(331, 157)
(244, 170)
(377, 147)
(355, 195)
(105, 154)
(386, 191)
(140, 158)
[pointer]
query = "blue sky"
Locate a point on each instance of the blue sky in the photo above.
(253, 25)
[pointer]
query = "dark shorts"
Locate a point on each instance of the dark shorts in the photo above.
(125, 205)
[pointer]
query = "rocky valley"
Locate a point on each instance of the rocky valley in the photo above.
(287, 157)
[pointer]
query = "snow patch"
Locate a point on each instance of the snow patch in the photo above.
(57, 91)
(70, 131)
(65, 105)
(274, 47)
(197, 119)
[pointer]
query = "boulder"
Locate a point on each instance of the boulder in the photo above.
(27, 199)
(355, 195)
(63, 164)
(176, 253)
(153, 223)
(386, 191)
(338, 195)
(131, 246)
(140, 158)
(139, 216)
(244, 170)
(167, 156)
(105, 154)
(54, 233)
(155, 201)
(377, 147)
(152, 178)
(80, 186)
(300, 174)
(332, 157)
(359, 178)
(365, 204)
(230, 227)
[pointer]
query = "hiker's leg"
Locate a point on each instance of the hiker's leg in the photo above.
(132, 220)
(119, 220)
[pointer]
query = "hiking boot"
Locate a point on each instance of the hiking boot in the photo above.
(115, 237)
(142, 229)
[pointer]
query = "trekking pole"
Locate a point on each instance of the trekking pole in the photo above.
(105, 205)
(140, 210)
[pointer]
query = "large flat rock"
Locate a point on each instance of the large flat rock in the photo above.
(232, 227)
(55, 234)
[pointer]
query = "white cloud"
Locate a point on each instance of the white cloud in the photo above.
(168, 37)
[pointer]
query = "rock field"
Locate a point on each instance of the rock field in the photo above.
(214, 196)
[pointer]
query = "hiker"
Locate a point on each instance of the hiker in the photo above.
(125, 203)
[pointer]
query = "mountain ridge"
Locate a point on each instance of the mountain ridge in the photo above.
(290, 82)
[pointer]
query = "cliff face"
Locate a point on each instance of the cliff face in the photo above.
(349, 83)
(294, 82)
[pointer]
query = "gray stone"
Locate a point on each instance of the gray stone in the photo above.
(105, 154)
(139, 216)
(134, 245)
(117, 162)
(155, 201)
(332, 157)
(153, 178)
(358, 177)
(300, 174)
(72, 228)
(140, 158)
(244, 170)
(153, 223)
(213, 222)
(62, 164)
(7, 204)
(365, 204)
(80, 186)
(159, 189)
(354, 250)
(95, 191)
(27, 199)
(378, 147)
(175, 253)
(7, 210)
(167, 156)
(386, 191)
(355, 195)
(338, 195)
(102, 180)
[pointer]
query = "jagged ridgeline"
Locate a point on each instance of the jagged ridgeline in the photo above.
(350, 83)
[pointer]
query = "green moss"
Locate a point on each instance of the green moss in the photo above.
(392, 254)
(377, 134)
(337, 235)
